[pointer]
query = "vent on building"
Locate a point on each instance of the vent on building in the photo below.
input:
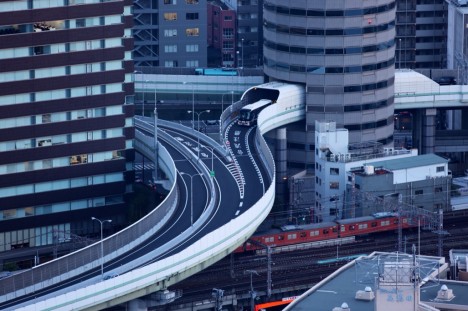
(445, 293)
(344, 307)
(368, 169)
(367, 294)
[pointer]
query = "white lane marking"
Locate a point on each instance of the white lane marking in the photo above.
(241, 203)
(237, 213)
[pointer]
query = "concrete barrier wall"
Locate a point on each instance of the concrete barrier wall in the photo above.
(89, 257)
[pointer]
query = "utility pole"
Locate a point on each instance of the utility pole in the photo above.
(218, 295)
(400, 224)
(253, 294)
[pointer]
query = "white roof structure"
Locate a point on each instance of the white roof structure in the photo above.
(411, 82)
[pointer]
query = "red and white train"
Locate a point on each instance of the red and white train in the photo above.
(341, 228)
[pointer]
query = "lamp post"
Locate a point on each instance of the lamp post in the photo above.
(101, 222)
(253, 295)
(155, 136)
(222, 100)
(193, 104)
(399, 40)
(242, 49)
(191, 193)
(134, 77)
(212, 156)
(198, 122)
(144, 95)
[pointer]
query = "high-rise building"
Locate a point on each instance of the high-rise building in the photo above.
(343, 53)
(65, 130)
(170, 33)
(421, 34)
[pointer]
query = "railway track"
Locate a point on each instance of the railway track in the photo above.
(300, 269)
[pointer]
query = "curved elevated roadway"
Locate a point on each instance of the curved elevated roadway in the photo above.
(144, 256)
(229, 219)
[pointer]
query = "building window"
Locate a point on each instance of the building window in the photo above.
(334, 185)
(170, 16)
(228, 33)
(440, 169)
(170, 1)
(192, 32)
(191, 1)
(170, 48)
(228, 17)
(191, 48)
(228, 45)
(170, 63)
(191, 16)
(79, 159)
(438, 189)
(191, 63)
(170, 32)
(418, 192)
(334, 171)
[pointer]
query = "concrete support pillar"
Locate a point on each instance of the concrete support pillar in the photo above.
(417, 129)
(137, 305)
(428, 131)
(281, 162)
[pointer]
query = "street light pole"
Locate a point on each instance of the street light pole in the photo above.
(155, 136)
(212, 155)
(198, 122)
(191, 193)
(242, 49)
(193, 103)
(101, 222)
(144, 97)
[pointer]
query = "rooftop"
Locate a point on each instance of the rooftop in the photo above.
(341, 286)
(410, 162)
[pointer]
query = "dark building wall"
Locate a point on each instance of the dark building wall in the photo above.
(64, 127)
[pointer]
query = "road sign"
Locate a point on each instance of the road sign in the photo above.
(212, 173)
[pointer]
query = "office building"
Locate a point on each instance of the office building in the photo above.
(343, 53)
(421, 34)
(65, 130)
(170, 33)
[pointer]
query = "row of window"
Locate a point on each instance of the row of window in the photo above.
(59, 139)
(189, 48)
(60, 184)
(329, 13)
(327, 70)
(58, 162)
(60, 116)
(61, 24)
(174, 2)
(39, 236)
(174, 63)
(173, 16)
(51, 72)
(23, 98)
(8, 6)
(348, 108)
(383, 46)
(328, 32)
(59, 207)
(61, 48)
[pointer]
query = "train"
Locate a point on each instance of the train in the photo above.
(340, 228)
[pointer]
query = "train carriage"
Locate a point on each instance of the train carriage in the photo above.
(341, 228)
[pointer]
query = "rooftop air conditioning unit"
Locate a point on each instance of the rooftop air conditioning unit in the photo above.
(367, 294)
(445, 293)
(344, 307)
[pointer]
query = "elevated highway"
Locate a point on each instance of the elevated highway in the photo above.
(223, 220)
(144, 262)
